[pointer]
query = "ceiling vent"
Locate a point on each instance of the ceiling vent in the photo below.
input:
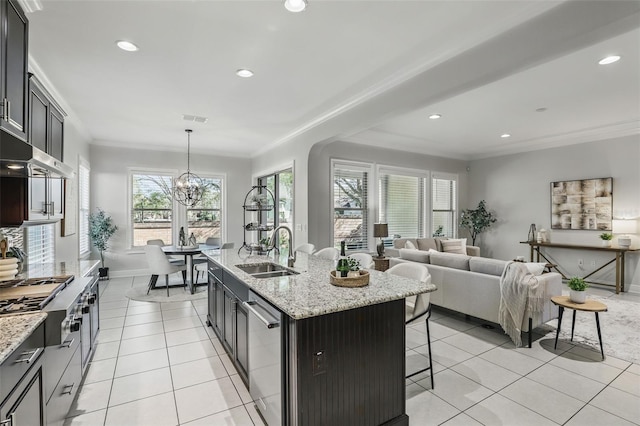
(194, 118)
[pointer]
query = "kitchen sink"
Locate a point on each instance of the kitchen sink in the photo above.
(272, 274)
(266, 270)
(257, 268)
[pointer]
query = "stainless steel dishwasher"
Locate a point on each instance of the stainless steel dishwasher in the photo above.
(265, 358)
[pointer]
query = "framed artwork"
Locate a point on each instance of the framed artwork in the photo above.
(68, 222)
(585, 204)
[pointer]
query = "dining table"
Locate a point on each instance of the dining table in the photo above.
(188, 252)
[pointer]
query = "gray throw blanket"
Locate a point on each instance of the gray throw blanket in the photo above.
(520, 292)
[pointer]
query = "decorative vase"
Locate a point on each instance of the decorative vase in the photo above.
(353, 274)
(103, 274)
(577, 296)
(606, 243)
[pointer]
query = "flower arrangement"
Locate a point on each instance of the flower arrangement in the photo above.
(354, 264)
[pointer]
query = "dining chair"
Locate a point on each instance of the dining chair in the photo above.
(176, 260)
(201, 267)
(306, 248)
(330, 253)
(365, 260)
(160, 265)
(419, 305)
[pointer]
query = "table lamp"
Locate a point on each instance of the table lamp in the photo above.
(625, 227)
(380, 230)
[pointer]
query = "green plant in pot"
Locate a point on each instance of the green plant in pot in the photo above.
(577, 287)
(477, 220)
(101, 229)
(606, 239)
(354, 267)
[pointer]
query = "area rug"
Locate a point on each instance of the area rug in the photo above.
(176, 294)
(620, 327)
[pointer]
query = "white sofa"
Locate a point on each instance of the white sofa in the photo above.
(424, 245)
(471, 285)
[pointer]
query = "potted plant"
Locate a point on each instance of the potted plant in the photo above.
(477, 220)
(354, 267)
(264, 244)
(577, 287)
(606, 239)
(101, 228)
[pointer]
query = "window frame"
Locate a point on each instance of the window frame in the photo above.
(370, 198)
(172, 173)
(84, 218)
(184, 211)
(382, 169)
(450, 177)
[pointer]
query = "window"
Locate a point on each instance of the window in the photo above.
(444, 205)
(152, 208)
(350, 203)
(205, 219)
(281, 186)
(83, 210)
(41, 244)
(402, 202)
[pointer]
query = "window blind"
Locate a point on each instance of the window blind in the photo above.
(402, 204)
(83, 210)
(41, 244)
(444, 201)
(350, 201)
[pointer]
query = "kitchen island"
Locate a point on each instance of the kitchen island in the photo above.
(341, 352)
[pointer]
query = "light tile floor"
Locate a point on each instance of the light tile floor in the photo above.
(158, 364)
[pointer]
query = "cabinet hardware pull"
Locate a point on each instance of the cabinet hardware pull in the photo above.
(5, 111)
(70, 387)
(33, 355)
(68, 343)
(10, 421)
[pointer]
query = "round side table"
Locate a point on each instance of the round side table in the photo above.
(589, 306)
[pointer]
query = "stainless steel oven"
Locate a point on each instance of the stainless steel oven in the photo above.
(265, 358)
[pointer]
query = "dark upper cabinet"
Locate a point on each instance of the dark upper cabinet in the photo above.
(46, 121)
(14, 35)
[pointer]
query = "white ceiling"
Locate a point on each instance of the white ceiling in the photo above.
(365, 71)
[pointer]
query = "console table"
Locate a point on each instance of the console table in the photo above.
(617, 251)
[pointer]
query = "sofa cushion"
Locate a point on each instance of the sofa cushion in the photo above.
(535, 268)
(415, 255)
(484, 265)
(427, 243)
(400, 242)
(409, 245)
(450, 260)
(458, 246)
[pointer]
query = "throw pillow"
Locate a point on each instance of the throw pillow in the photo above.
(455, 246)
(535, 268)
(409, 245)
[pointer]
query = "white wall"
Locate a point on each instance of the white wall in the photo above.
(109, 188)
(517, 187)
(75, 144)
(319, 195)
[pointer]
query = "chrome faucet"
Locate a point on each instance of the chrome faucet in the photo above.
(274, 238)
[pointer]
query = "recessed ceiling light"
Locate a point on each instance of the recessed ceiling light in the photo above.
(435, 116)
(295, 5)
(127, 45)
(244, 73)
(505, 135)
(609, 60)
(15, 166)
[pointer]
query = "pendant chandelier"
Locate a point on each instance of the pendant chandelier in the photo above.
(188, 187)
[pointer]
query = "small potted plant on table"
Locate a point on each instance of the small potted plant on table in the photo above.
(354, 267)
(606, 239)
(101, 228)
(577, 287)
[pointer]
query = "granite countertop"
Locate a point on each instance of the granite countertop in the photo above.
(310, 293)
(15, 329)
(79, 268)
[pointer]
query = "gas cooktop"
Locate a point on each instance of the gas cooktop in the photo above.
(30, 294)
